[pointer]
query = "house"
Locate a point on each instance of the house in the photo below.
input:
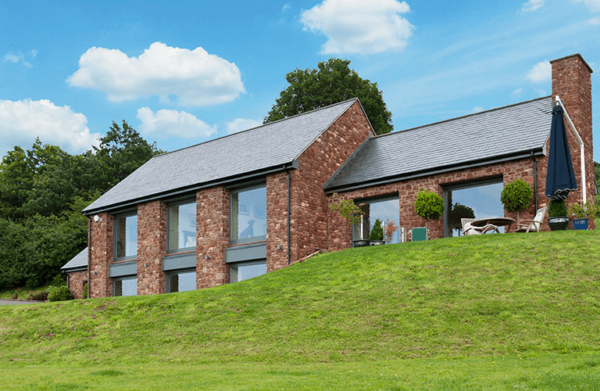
(249, 203)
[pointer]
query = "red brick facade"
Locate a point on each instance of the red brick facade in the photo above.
(152, 247)
(77, 281)
(102, 255)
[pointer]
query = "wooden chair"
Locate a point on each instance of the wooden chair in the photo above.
(468, 229)
(535, 224)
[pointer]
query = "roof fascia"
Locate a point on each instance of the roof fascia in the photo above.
(74, 269)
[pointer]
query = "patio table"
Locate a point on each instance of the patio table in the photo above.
(497, 221)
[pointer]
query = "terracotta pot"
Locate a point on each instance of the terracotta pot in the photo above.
(15, 296)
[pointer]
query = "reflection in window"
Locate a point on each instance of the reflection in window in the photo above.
(249, 215)
(476, 202)
(126, 287)
(182, 227)
(387, 211)
(246, 270)
(182, 281)
(126, 234)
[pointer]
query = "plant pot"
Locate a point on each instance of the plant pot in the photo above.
(15, 296)
(558, 223)
(377, 242)
(581, 224)
(361, 243)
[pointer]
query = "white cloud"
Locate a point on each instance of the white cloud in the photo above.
(194, 76)
(239, 124)
(593, 5)
(33, 53)
(540, 92)
(165, 123)
(477, 109)
(16, 58)
(286, 7)
(22, 121)
(358, 26)
(517, 92)
(541, 71)
(594, 21)
(532, 5)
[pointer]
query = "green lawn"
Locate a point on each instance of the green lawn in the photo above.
(465, 302)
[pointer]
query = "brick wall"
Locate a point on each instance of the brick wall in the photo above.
(102, 255)
(277, 216)
(152, 247)
(571, 81)
(212, 237)
(76, 282)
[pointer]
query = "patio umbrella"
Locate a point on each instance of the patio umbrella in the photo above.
(560, 178)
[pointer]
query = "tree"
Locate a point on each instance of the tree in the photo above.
(376, 231)
(429, 205)
(333, 82)
(516, 196)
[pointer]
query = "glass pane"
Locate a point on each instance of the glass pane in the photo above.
(249, 214)
(127, 287)
(387, 212)
(182, 226)
(126, 231)
(473, 203)
(183, 282)
(244, 271)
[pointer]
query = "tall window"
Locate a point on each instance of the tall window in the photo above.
(477, 200)
(181, 222)
(181, 281)
(249, 215)
(387, 211)
(125, 231)
(126, 286)
(245, 270)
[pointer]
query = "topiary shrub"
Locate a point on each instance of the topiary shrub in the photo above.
(429, 205)
(376, 231)
(60, 293)
(516, 196)
(557, 209)
(85, 291)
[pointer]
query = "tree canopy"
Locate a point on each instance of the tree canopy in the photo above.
(332, 82)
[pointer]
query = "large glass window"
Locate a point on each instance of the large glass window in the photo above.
(387, 211)
(126, 237)
(181, 227)
(181, 281)
(471, 201)
(249, 215)
(125, 286)
(246, 270)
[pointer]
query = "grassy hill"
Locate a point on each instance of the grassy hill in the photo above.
(498, 295)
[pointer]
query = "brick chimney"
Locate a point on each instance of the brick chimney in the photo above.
(572, 82)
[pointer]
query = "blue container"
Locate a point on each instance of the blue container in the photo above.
(581, 224)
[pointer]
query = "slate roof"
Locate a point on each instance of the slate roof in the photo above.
(472, 139)
(267, 146)
(79, 261)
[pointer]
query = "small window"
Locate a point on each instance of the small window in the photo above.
(249, 215)
(246, 270)
(181, 222)
(387, 211)
(181, 281)
(125, 286)
(125, 232)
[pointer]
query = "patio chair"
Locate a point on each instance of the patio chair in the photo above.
(534, 224)
(468, 229)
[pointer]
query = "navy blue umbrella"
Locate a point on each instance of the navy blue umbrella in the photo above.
(560, 179)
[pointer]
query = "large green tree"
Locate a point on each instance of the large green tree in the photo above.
(332, 82)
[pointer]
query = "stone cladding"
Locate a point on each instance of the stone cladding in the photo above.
(152, 247)
(102, 255)
(77, 281)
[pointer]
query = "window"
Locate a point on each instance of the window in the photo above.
(125, 286)
(476, 200)
(125, 232)
(181, 281)
(249, 215)
(245, 270)
(386, 210)
(181, 231)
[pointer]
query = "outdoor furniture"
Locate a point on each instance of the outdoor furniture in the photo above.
(495, 221)
(470, 229)
(534, 224)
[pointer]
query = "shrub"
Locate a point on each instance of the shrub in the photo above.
(85, 291)
(587, 211)
(347, 209)
(516, 196)
(377, 231)
(61, 293)
(40, 296)
(390, 228)
(59, 280)
(557, 209)
(429, 205)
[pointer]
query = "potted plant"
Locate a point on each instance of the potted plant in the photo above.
(516, 197)
(390, 228)
(15, 295)
(376, 235)
(352, 213)
(429, 205)
(582, 214)
(557, 216)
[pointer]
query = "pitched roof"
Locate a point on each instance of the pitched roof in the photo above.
(472, 139)
(79, 261)
(268, 146)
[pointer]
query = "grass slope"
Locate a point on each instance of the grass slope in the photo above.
(495, 295)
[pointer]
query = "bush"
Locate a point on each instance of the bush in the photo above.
(85, 291)
(377, 231)
(61, 293)
(516, 196)
(557, 209)
(40, 296)
(587, 211)
(59, 280)
(429, 205)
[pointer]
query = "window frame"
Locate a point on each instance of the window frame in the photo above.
(241, 189)
(381, 198)
(179, 271)
(116, 217)
(178, 202)
(114, 285)
(246, 263)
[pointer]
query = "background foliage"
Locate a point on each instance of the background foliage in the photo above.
(42, 193)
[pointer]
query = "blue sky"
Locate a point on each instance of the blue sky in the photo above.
(183, 72)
